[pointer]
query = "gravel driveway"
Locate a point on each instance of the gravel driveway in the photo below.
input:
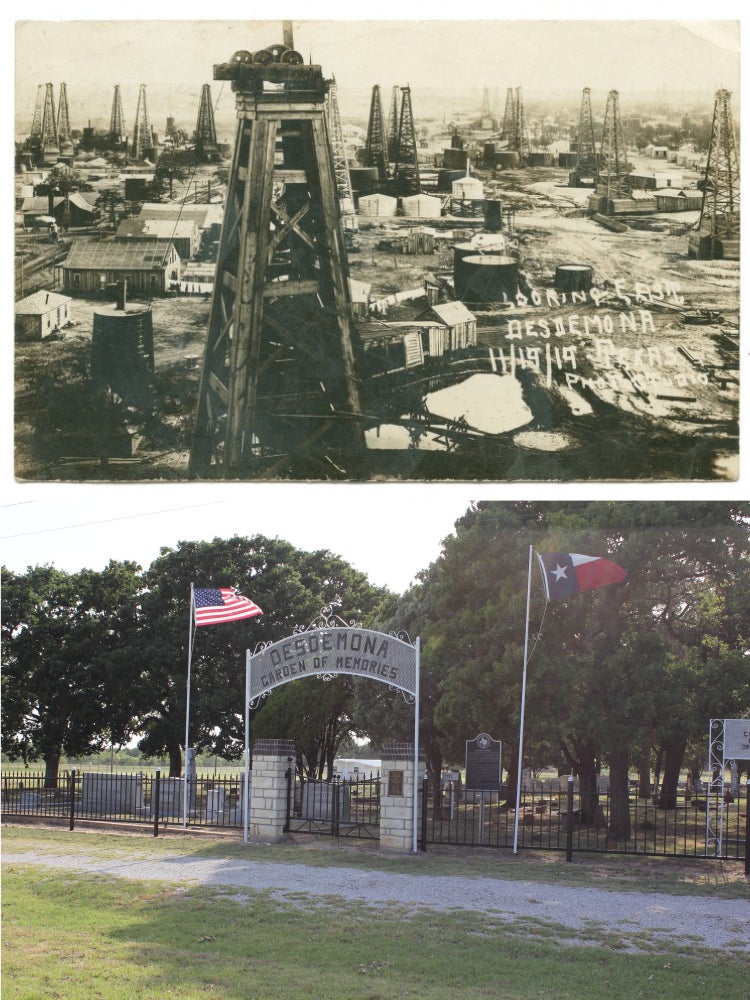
(719, 924)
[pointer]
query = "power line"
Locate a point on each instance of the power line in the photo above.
(109, 520)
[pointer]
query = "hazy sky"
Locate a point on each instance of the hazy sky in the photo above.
(543, 55)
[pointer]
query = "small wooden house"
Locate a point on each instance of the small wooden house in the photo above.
(148, 266)
(40, 315)
(460, 322)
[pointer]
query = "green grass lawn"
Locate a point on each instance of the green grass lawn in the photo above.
(83, 937)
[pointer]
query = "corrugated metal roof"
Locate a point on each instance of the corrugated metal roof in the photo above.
(160, 229)
(143, 255)
(40, 302)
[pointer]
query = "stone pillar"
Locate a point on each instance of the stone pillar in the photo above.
(397, 796)
(271, 761)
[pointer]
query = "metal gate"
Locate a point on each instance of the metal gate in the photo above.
(337, 808)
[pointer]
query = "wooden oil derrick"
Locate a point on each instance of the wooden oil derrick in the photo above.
(340, 164)
(376, 147)
(719, 227)
(520, 138)
(206, 145)
(509, 116)
(278, 396)
(586, 170)
(406, 164)
(614, 168)
(36, 122)
(116, 120)
(50, 142)
(63, 119)
(394, 116)
(142, 139)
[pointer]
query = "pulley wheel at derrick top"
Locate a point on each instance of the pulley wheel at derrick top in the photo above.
(243, 56)
(291, 58)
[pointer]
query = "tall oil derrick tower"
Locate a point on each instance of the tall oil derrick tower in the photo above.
(340, 164)
(614, 168)
(278, 395)
(719, 227)
(63, 121)
(520, 139)
(142, 139)
(485, 114)
(510, 115)
(394, 117)
(36, 122)
(586, 170)
(406, 163)
(116, 121)
(206, 145)
(376, 148)
(50, 142)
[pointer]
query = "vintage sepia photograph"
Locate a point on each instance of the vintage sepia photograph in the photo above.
(377, 251)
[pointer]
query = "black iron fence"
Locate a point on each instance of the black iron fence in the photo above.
(342, 807)
(553, 818)
(125, 798)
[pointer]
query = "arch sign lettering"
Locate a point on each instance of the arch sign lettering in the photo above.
(324, 652)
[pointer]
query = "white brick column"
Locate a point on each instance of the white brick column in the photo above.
(397, 797)
(268, 796)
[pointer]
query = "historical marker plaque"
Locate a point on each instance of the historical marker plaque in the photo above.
(483, 763)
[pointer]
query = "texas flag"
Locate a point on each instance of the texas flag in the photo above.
(567, 573)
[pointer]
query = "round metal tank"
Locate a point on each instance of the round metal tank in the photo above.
(122, 351)
(467, 188)
(461, 251)
(364, 180)
(447, 177)
(488, 278)
(378, 205)
(573, 277)
(505, 158)
(493, 215)
(567, 159)
(421, 206)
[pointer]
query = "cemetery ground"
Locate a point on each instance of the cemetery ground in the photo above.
(117, 915)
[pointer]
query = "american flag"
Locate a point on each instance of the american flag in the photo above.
(212, 607)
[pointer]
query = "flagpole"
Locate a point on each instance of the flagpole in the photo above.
(523, 707)
(246, 779)
(187, 707)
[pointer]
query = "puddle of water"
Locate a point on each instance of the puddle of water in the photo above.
(492, 404)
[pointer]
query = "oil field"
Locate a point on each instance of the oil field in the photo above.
(485, 288)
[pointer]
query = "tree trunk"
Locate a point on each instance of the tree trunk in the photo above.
(51, 767)
(619, 795)
(175, 760)
(674, 754)
(587, 769)
(644, 776)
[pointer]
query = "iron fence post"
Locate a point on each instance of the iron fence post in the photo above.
(289, 780)
(72, 785)
(423, 846)
(747, 827)
(155, 795)
(569, 822)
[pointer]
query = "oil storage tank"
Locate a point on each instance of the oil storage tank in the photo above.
(507, 158)
(573, 277)
(421, 206)
(486, 278)
(122, 350)
(378, 206)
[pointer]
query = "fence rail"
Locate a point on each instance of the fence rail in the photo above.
(549, 816)
(125, 798)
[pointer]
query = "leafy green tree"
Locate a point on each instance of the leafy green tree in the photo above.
(66, 671)
(172, 165)
(291, 587)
